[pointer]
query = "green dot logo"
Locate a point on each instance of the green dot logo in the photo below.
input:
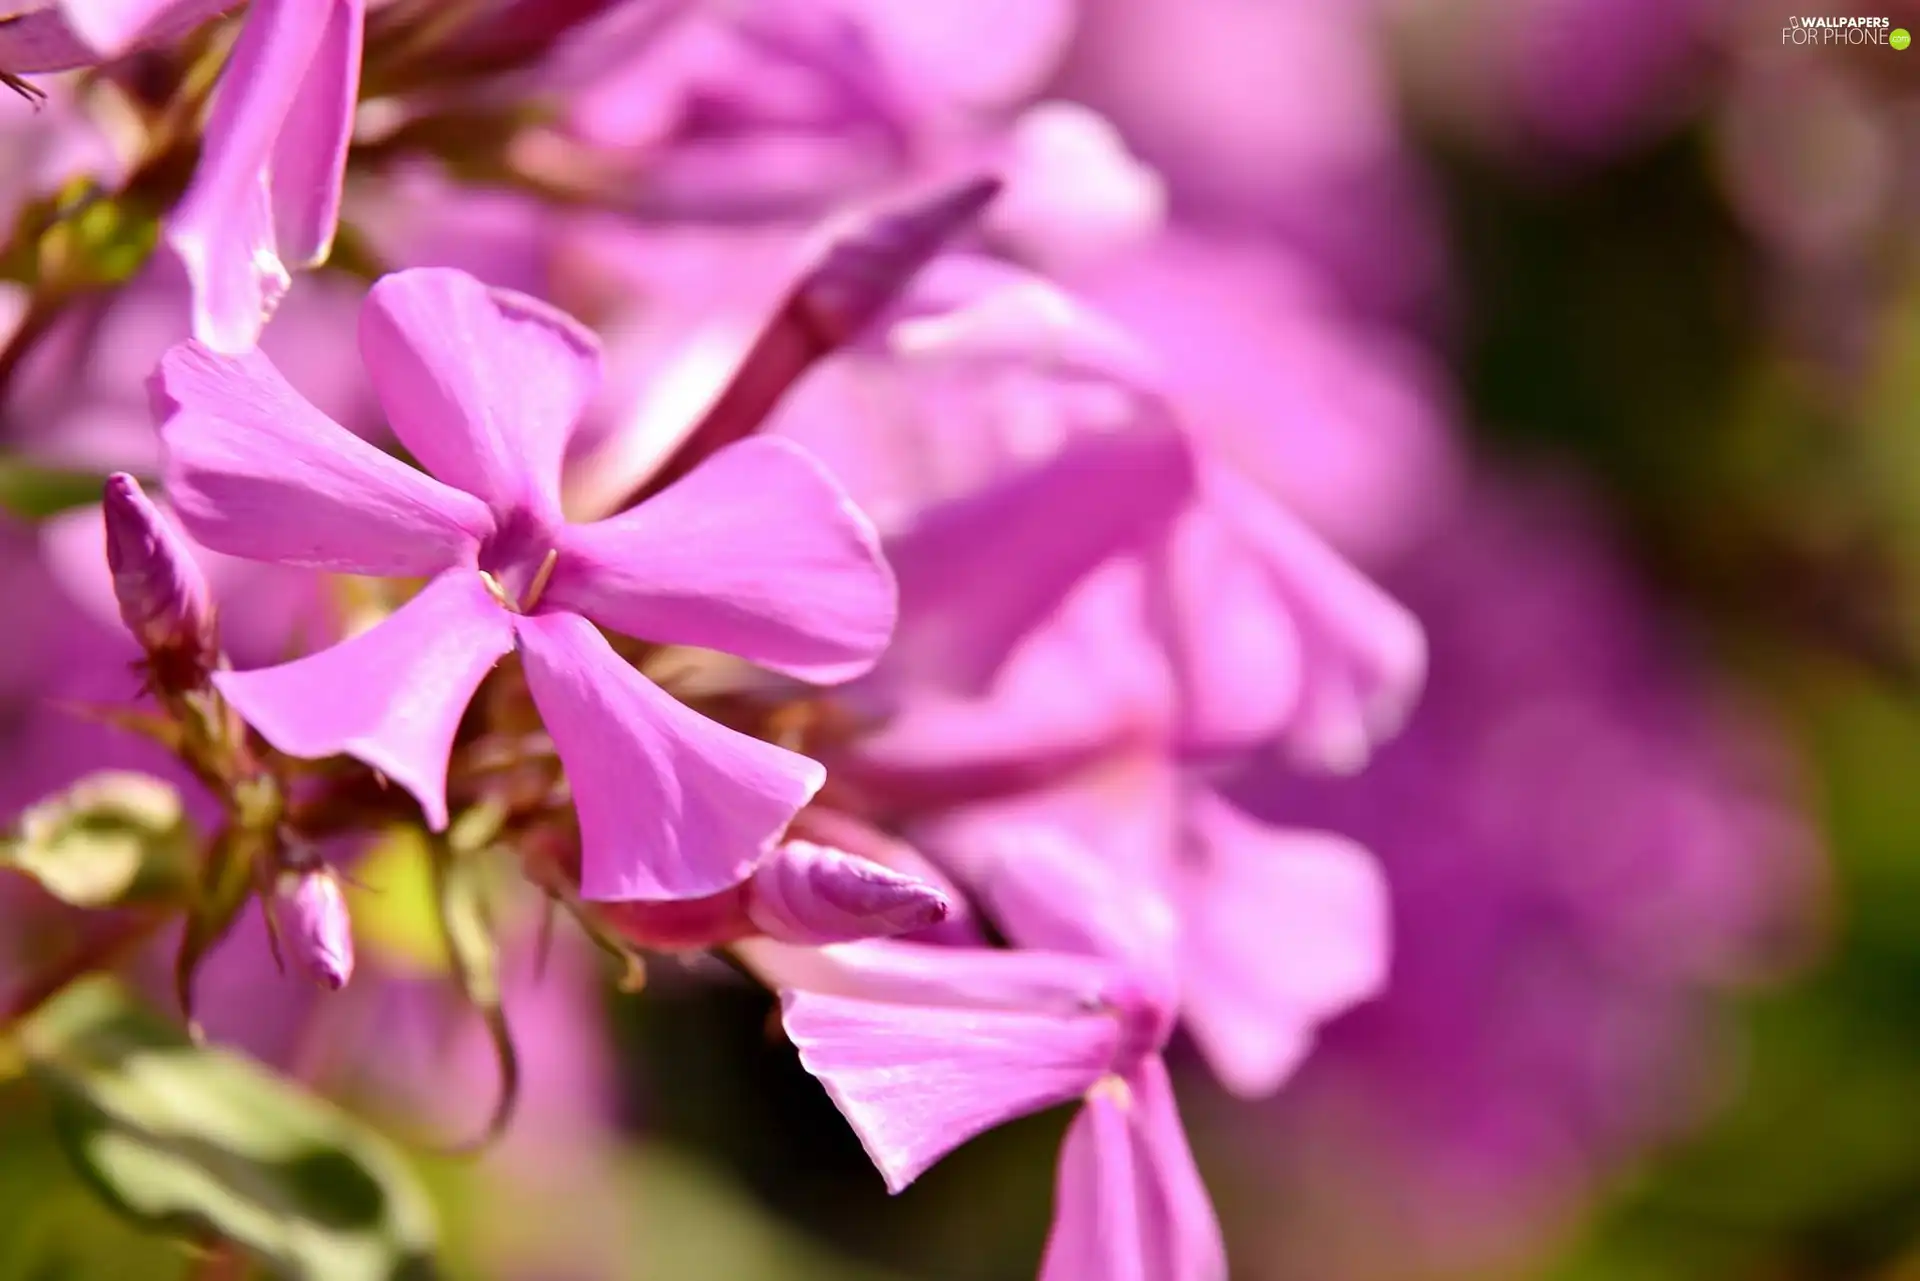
(1899, 38)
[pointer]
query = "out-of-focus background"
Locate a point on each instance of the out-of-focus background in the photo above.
(1592, 329)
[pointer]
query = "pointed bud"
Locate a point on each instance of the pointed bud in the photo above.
(860, 267)
(869, 261)
(163, 596)
(312, 918)
(811, 894)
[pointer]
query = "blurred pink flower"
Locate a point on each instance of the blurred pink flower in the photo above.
(1343, 419)
(777, 112)
(1268, 118)
(1579, 848)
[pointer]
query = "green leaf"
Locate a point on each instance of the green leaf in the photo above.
(83, 237)
(52, 1224)
(35, 491)
(203, 1143)
(114, 839)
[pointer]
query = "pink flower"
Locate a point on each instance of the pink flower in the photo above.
(1268, 932)
(924, 1047)
(267, 193)
(1059, 442)
(756, 552)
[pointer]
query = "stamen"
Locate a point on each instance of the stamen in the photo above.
(1114, 1090)
(495, 590)
(31, 92)
(539, 583)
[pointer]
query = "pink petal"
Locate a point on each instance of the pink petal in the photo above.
(1364, 657)
(1284, 930)
(310, 157)
(924, 974)
(979, 573)
(1082, 686)
(1130, 1202)
(43, 40)
(807, 893)
(1051, 890)
(916, 1082)
(254, 470)
(1231, 641)
(224, 229)
(1182, 1235)
(671, 804)
(757, 552)
(483, 385)
(976, 52)
(391, 697)
(1074, 193)
(1096, 1233)
(1078, 868)
(968, 308)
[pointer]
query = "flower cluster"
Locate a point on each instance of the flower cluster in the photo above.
(913, 713)
(756, 480)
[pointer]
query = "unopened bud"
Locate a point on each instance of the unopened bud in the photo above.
(813, 894)
(314, 926)
(856, 271)
(164, 599)
(865, 266)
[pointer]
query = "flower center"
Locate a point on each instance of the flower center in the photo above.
(517, 563)
(523, 601)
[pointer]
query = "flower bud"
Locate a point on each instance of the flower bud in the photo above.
(811, 894)
(312, 917)
(164, 599)
(869, 261)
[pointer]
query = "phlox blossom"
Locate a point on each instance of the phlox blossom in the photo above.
(756, 552)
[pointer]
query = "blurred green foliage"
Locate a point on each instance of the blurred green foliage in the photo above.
(1619, 330)
(206, 1144)
(34, 491)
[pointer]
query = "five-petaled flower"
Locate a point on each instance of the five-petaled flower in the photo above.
(922, 1047)
(757, 552)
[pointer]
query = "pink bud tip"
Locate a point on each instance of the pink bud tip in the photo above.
(164, 599)
(813, 895)
(866, 266)
(314, 926)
